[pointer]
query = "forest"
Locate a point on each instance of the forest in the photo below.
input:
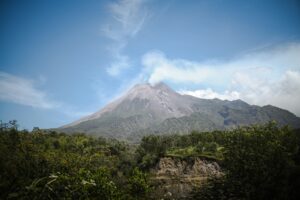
(258, 162)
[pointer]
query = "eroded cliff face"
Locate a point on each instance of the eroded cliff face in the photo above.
(174, 178)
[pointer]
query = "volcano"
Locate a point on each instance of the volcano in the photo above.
(157, 109)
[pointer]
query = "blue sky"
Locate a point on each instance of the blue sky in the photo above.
(61, 60)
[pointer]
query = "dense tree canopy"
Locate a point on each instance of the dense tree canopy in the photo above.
(258, 162)
(50, 165)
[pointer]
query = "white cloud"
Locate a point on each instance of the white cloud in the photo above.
(161, 68)
(210, 94)
(121, 63)
(127, 19)
(270, 76)
(284, 92)
(23, 91)
(18, 90)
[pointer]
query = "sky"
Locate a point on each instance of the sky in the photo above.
(62, 60)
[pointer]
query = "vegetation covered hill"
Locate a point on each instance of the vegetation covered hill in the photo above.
(258, 162)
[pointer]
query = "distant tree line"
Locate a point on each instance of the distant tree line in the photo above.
(12, 124)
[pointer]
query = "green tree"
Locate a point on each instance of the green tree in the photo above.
(259, 164)
(138, 184)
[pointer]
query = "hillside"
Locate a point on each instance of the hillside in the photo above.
(158, 109)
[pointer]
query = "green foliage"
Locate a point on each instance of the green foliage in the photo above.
(259, 163)
(152, 147)
(211, 147)
(50, 165)
(197, 144)
(199, 148)
(139, 186)
(82, 185)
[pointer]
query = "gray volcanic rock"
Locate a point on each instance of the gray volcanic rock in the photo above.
(158, 109)
(175, 178)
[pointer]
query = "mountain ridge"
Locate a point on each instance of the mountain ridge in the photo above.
(157, 109)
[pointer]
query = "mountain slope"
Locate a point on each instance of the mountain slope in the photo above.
(158, 109)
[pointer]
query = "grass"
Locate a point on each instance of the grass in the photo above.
(191, 151)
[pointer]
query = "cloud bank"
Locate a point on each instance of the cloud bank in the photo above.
(126, 20)
(18, 90)
(270, 76)
(23, 91)
(210, 94)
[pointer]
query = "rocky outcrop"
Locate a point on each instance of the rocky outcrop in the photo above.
(174, 178)
(192, 167)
